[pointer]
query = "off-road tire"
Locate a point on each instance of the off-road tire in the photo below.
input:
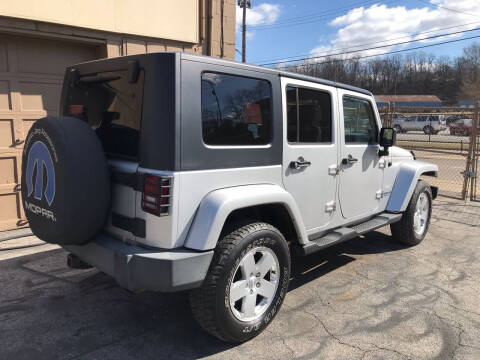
(403, 231)
(210, 303)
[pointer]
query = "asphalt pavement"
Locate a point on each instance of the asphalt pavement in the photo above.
(369, 298)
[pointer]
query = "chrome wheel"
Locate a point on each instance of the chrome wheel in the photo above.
(422, 211)
(254, 284)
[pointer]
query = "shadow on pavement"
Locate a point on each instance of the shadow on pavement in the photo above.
(308, 268)
(49, 311)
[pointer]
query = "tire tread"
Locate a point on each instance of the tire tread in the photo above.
(402, 231)
(203, 299)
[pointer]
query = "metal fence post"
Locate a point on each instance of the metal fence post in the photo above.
(473, 181)
(471, 164)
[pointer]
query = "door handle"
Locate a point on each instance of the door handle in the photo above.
(299, 164)
(349, 160)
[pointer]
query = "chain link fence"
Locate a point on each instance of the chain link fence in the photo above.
(444, 136)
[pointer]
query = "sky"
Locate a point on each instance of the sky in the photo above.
(279, 30)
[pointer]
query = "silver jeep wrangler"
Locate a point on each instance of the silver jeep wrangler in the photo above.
(173, 171)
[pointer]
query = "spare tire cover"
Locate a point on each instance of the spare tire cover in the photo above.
(65, 181)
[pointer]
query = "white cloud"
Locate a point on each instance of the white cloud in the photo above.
(380, 25)
(263, 14)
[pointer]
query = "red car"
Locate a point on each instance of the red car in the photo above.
(462, 127)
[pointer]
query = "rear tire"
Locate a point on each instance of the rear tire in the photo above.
(242, 293)
(413, 226)
(428, 130)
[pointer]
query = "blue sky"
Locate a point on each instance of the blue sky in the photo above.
(279, 29)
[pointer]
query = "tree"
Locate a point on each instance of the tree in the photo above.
(413, 74)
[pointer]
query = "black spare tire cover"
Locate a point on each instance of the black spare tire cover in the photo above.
(65, 181)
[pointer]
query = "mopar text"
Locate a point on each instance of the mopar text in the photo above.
(39, 211)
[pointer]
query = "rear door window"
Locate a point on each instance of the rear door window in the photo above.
(113, 108)
(236, 110)
(309, 116)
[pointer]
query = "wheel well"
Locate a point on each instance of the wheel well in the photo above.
(273, 214)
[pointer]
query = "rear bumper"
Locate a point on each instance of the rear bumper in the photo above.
(136, 268)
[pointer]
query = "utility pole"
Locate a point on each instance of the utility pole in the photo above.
(244, 4)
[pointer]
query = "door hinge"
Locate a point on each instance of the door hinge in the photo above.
(379, 194)
(331, 206)
(333, 170)
(382, 164)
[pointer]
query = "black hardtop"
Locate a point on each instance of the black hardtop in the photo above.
(118, 63)
(170, 76)
(261, 69)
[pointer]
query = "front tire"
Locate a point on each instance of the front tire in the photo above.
(428, 130)
(246, 283)
(413, 226)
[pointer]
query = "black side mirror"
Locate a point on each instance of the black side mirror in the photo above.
(388, 137)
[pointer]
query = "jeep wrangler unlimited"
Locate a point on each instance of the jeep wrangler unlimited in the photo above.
(173, 171)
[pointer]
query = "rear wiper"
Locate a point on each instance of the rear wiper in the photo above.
(97, 79)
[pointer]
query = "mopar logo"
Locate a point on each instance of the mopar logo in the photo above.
(39, 157)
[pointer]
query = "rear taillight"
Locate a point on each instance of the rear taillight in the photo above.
(156, 194)
(76, 110)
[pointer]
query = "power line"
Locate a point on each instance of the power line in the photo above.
(373, 48)
(313, 15)
(366, 44)
(386, 53)
(296, 23)
(449, 9)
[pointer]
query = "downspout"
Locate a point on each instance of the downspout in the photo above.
(208, 35)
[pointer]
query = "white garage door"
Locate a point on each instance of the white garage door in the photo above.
(31, 75)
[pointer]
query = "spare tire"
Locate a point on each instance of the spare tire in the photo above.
(65, 181)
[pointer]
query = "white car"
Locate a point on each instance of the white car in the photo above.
(173, 171)
(429, 124)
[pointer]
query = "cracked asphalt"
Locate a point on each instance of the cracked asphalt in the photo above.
(368, 298)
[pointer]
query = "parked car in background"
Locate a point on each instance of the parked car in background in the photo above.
(396, 116)
(462, 127)
(452, 118)
(428, 123)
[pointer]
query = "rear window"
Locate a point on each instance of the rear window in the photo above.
(113, 108)
(236, 110)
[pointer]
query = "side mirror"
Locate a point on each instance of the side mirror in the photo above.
(388, 137)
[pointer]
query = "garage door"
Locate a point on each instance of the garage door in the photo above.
(31, 74)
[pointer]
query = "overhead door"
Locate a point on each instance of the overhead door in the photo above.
(31, 75)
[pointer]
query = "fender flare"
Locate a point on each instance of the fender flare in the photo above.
(405, 182)
(217, 205)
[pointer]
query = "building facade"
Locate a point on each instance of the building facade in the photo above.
(38, 39)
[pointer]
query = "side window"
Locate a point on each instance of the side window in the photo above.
(236, 110)
(309, 116)
(359, 121)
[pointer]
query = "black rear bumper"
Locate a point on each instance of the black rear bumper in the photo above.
(136, 268)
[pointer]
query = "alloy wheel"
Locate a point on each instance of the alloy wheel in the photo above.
(254, 284)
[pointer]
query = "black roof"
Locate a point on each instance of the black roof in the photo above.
(209, 59)
(120, 62)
